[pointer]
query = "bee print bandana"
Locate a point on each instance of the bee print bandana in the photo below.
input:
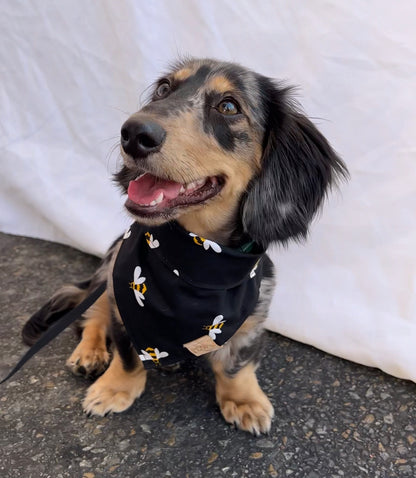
(181, 295)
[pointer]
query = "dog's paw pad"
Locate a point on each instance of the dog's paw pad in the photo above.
(87, 360)
(254, 416)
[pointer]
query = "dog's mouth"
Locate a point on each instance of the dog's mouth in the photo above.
(150, 196)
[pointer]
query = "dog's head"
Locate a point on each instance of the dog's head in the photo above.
(223, 149)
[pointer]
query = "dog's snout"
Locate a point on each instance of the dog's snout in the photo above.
(140, 138)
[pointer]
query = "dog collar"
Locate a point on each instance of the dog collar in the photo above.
(179, 294)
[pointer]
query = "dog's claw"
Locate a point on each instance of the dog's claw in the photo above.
(253, 417)
(88, 362)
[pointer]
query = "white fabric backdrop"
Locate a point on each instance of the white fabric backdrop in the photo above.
(71, 71)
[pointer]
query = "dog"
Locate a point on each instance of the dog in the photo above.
(223, 157)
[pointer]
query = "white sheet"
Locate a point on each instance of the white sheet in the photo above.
(72, 71)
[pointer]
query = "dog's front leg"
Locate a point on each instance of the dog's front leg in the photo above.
(239, 396)
(91, 357)
(123, 381)
(242, 401)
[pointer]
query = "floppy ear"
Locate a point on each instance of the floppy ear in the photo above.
(298, 167)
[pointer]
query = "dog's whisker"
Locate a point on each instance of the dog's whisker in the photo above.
(111, 138)
(126, 113)
(146, 91)
(110, 153)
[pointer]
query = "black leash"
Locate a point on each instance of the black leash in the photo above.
(57, 328)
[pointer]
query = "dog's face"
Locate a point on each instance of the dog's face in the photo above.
(219, 148)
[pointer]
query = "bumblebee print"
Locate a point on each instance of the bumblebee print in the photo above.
(215, 327)
(153, 243)
(152, 354)
(138, 285)
(205, 243)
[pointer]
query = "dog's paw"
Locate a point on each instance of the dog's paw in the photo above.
(113, 394)
(101, 400)
(88, 360)
(253, 416)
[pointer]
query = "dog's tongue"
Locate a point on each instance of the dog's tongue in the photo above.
(147, 188)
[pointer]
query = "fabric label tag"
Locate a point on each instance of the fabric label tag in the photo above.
(202, 346)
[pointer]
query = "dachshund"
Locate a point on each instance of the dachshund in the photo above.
(225, 158)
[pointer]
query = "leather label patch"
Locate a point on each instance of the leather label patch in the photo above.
(202, 346)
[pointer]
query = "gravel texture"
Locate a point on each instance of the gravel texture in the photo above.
(333, 418)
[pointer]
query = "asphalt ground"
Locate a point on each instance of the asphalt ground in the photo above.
(332, 419)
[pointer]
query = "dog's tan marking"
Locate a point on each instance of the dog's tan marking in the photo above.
(215, 219)
(116, 390)
(258, 154)
(199, 159)
(221, 84)
(242, 401)
(91, 355)
(183, 74)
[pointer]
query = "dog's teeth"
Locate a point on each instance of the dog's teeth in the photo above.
(181, 190)
(159, 199)
(156, 201)
(195, 184)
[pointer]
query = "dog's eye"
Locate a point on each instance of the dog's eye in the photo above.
(228, 107)
(163, 89)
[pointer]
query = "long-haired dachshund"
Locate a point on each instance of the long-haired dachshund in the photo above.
(218, 165)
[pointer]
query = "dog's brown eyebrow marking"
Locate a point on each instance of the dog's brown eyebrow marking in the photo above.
(221, 84)
(183, 74)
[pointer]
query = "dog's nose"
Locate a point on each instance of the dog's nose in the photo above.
(140, 138)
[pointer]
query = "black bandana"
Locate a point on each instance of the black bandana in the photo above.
(181, 295)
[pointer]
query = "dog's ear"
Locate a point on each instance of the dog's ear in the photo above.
(298, 167)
